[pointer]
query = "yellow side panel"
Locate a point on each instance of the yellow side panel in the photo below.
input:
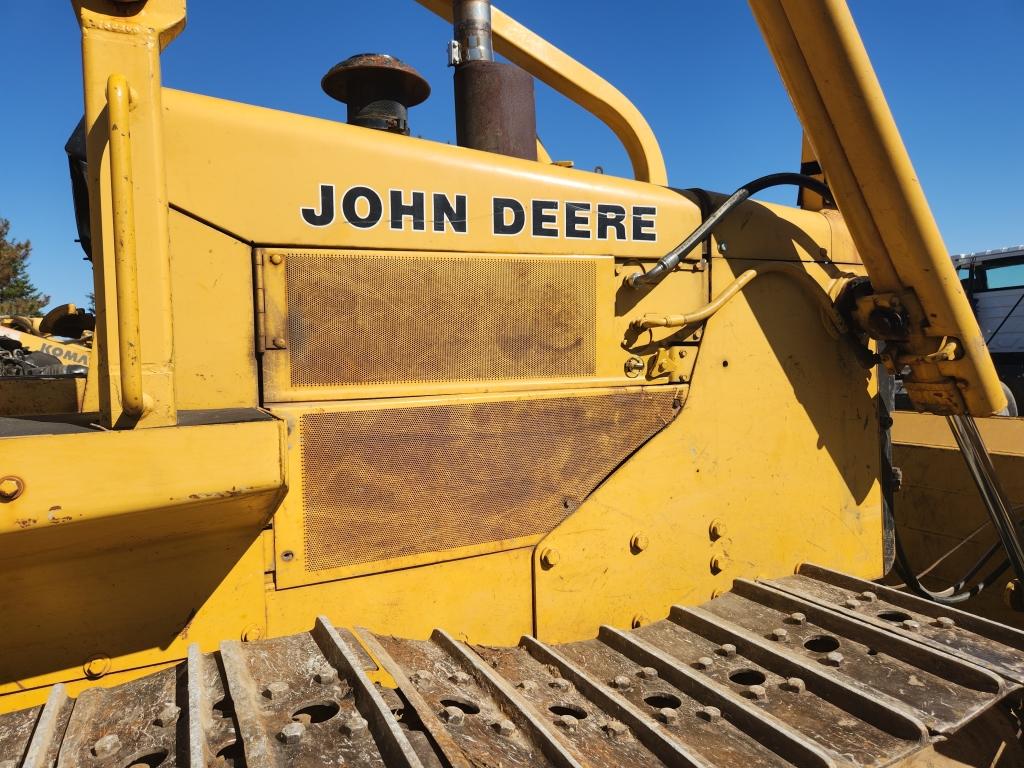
(125, 609)
(220, 169)
(484, 599)
(145, 542)
(138, 486)
(1002, 435)
(777, 442)
(214, 344)
(381, 485)
(24, 397)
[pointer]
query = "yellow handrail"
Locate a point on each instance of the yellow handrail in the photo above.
(547, 63)
(125, 265)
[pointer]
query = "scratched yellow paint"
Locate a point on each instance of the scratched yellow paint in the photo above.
(777, 442)
(158, 539)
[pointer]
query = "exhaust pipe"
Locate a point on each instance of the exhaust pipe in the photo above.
(378, 89)
(495, 109)
(472, 21)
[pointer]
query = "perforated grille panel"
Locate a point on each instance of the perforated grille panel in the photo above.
(404, 319)
(396, 482)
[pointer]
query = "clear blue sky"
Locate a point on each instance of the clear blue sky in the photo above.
(699, 71)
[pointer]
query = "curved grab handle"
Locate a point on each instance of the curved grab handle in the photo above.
(125, 265)
(547, 63)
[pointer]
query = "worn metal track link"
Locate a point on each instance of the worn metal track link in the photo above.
(815, 670)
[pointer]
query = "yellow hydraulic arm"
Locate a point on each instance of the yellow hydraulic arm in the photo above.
(917, 305)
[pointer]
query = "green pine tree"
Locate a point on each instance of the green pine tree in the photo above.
(17, 294)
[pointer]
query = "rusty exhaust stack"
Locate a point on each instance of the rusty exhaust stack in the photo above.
(494, 102)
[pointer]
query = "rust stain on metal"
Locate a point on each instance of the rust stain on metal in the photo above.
(516, 464)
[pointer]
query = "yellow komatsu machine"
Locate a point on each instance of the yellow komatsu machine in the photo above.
(560, 468)
(55, 348)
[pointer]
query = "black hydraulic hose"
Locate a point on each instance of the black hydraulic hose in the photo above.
(976, 568)
(910, 579)
(958, 595)
(669, 261)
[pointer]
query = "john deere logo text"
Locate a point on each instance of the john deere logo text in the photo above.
(414, 211)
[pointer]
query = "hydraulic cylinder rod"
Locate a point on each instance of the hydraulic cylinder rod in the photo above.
(979, 464)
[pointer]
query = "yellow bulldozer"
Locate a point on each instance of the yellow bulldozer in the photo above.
(488, 461)
(56, 348)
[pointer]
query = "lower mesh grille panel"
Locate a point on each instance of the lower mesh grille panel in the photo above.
(406, 319)
(397, 482)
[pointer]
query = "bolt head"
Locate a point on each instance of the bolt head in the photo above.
(460, 678)
(355, 724)
(550, 557)
(756, 692)
(504, 727)
(911, 625)
(717, 564)
(252, 633)
(796, 618)
(453, 715)
(622, 682)
(167, 716)
(560, 684)
(717, 530)
(275, 690)
(779, 635)
(705, 662)
(723, 247)
(326, 677)
(96, 667)
(945, 622)
(615, 729)
(633, 367)
(648, 673)
(292, 733)
(107, 746)
(726, 649)
(711, 714)
(833, 658)
(276, 258)
(851, 603)
(868, 596)
(528, 685)
(568, 722)
(639, 542)
(795, 684)
(421, 677)
(11, 487)
(668, 715)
